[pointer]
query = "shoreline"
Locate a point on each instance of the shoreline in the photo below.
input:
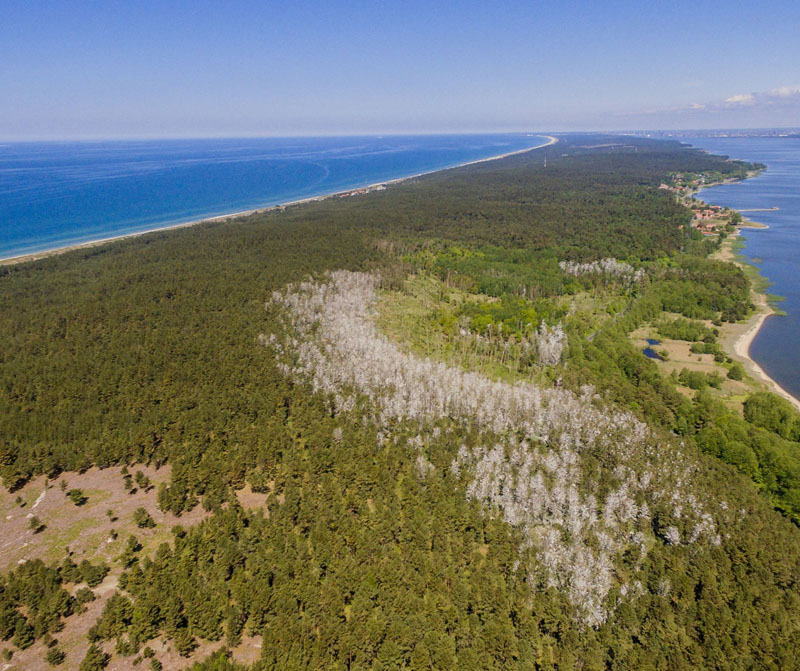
(45, 253)
(738, 345)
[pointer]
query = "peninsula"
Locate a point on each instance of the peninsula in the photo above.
(409, 429)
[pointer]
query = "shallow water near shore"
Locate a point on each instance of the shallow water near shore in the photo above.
(55, 194)
(776, 250)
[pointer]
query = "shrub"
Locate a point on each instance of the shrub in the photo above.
(55, 656)
(704, 348)
(685, 329)
(92, 575)
(736, 372)
(142, 480)
(77, 496)
(693, 379)
(185, 642)
(143, 519)
(129, 557)
(84, 595)
(95, 660)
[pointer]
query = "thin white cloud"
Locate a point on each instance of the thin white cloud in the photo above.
(785, 91)
(784, 95)
(741, 99)
(778, 102)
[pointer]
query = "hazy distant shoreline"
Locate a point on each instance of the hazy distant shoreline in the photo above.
(33, 256)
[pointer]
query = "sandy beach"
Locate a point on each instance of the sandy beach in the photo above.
(738, 337)
(741, 349)
(24, 258)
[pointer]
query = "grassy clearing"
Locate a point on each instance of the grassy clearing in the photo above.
(423, 319)
(59, 540)
(88, 532)
(679, 356)
(427, 317)
(84, 530)
(589, 311)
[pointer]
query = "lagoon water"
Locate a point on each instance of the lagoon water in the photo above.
(776, 250)
(54, 194)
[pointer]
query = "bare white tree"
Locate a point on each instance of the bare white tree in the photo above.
(550, 343)
(536, 466)
(609, 267)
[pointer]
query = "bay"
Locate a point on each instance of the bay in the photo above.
(775, 250)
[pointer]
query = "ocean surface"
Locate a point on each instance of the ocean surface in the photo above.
(55, 194)
(776, 250)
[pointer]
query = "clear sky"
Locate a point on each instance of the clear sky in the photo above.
(200, 68)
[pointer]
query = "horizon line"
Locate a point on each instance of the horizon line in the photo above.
(258, 136)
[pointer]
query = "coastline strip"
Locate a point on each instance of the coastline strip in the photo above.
(739, 348)
(34, 256)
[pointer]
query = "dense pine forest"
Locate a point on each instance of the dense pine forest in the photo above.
(464, 460)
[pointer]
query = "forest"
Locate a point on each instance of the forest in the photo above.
(466, 462)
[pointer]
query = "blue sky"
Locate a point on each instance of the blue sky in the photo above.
(157, 69)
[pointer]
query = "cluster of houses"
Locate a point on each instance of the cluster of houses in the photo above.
(359, 192)
(708, 220)
(683, 184)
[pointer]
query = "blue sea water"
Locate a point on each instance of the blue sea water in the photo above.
(776, 250)
(54, 194)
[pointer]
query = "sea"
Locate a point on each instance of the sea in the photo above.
(774, 250)
(57, 194)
